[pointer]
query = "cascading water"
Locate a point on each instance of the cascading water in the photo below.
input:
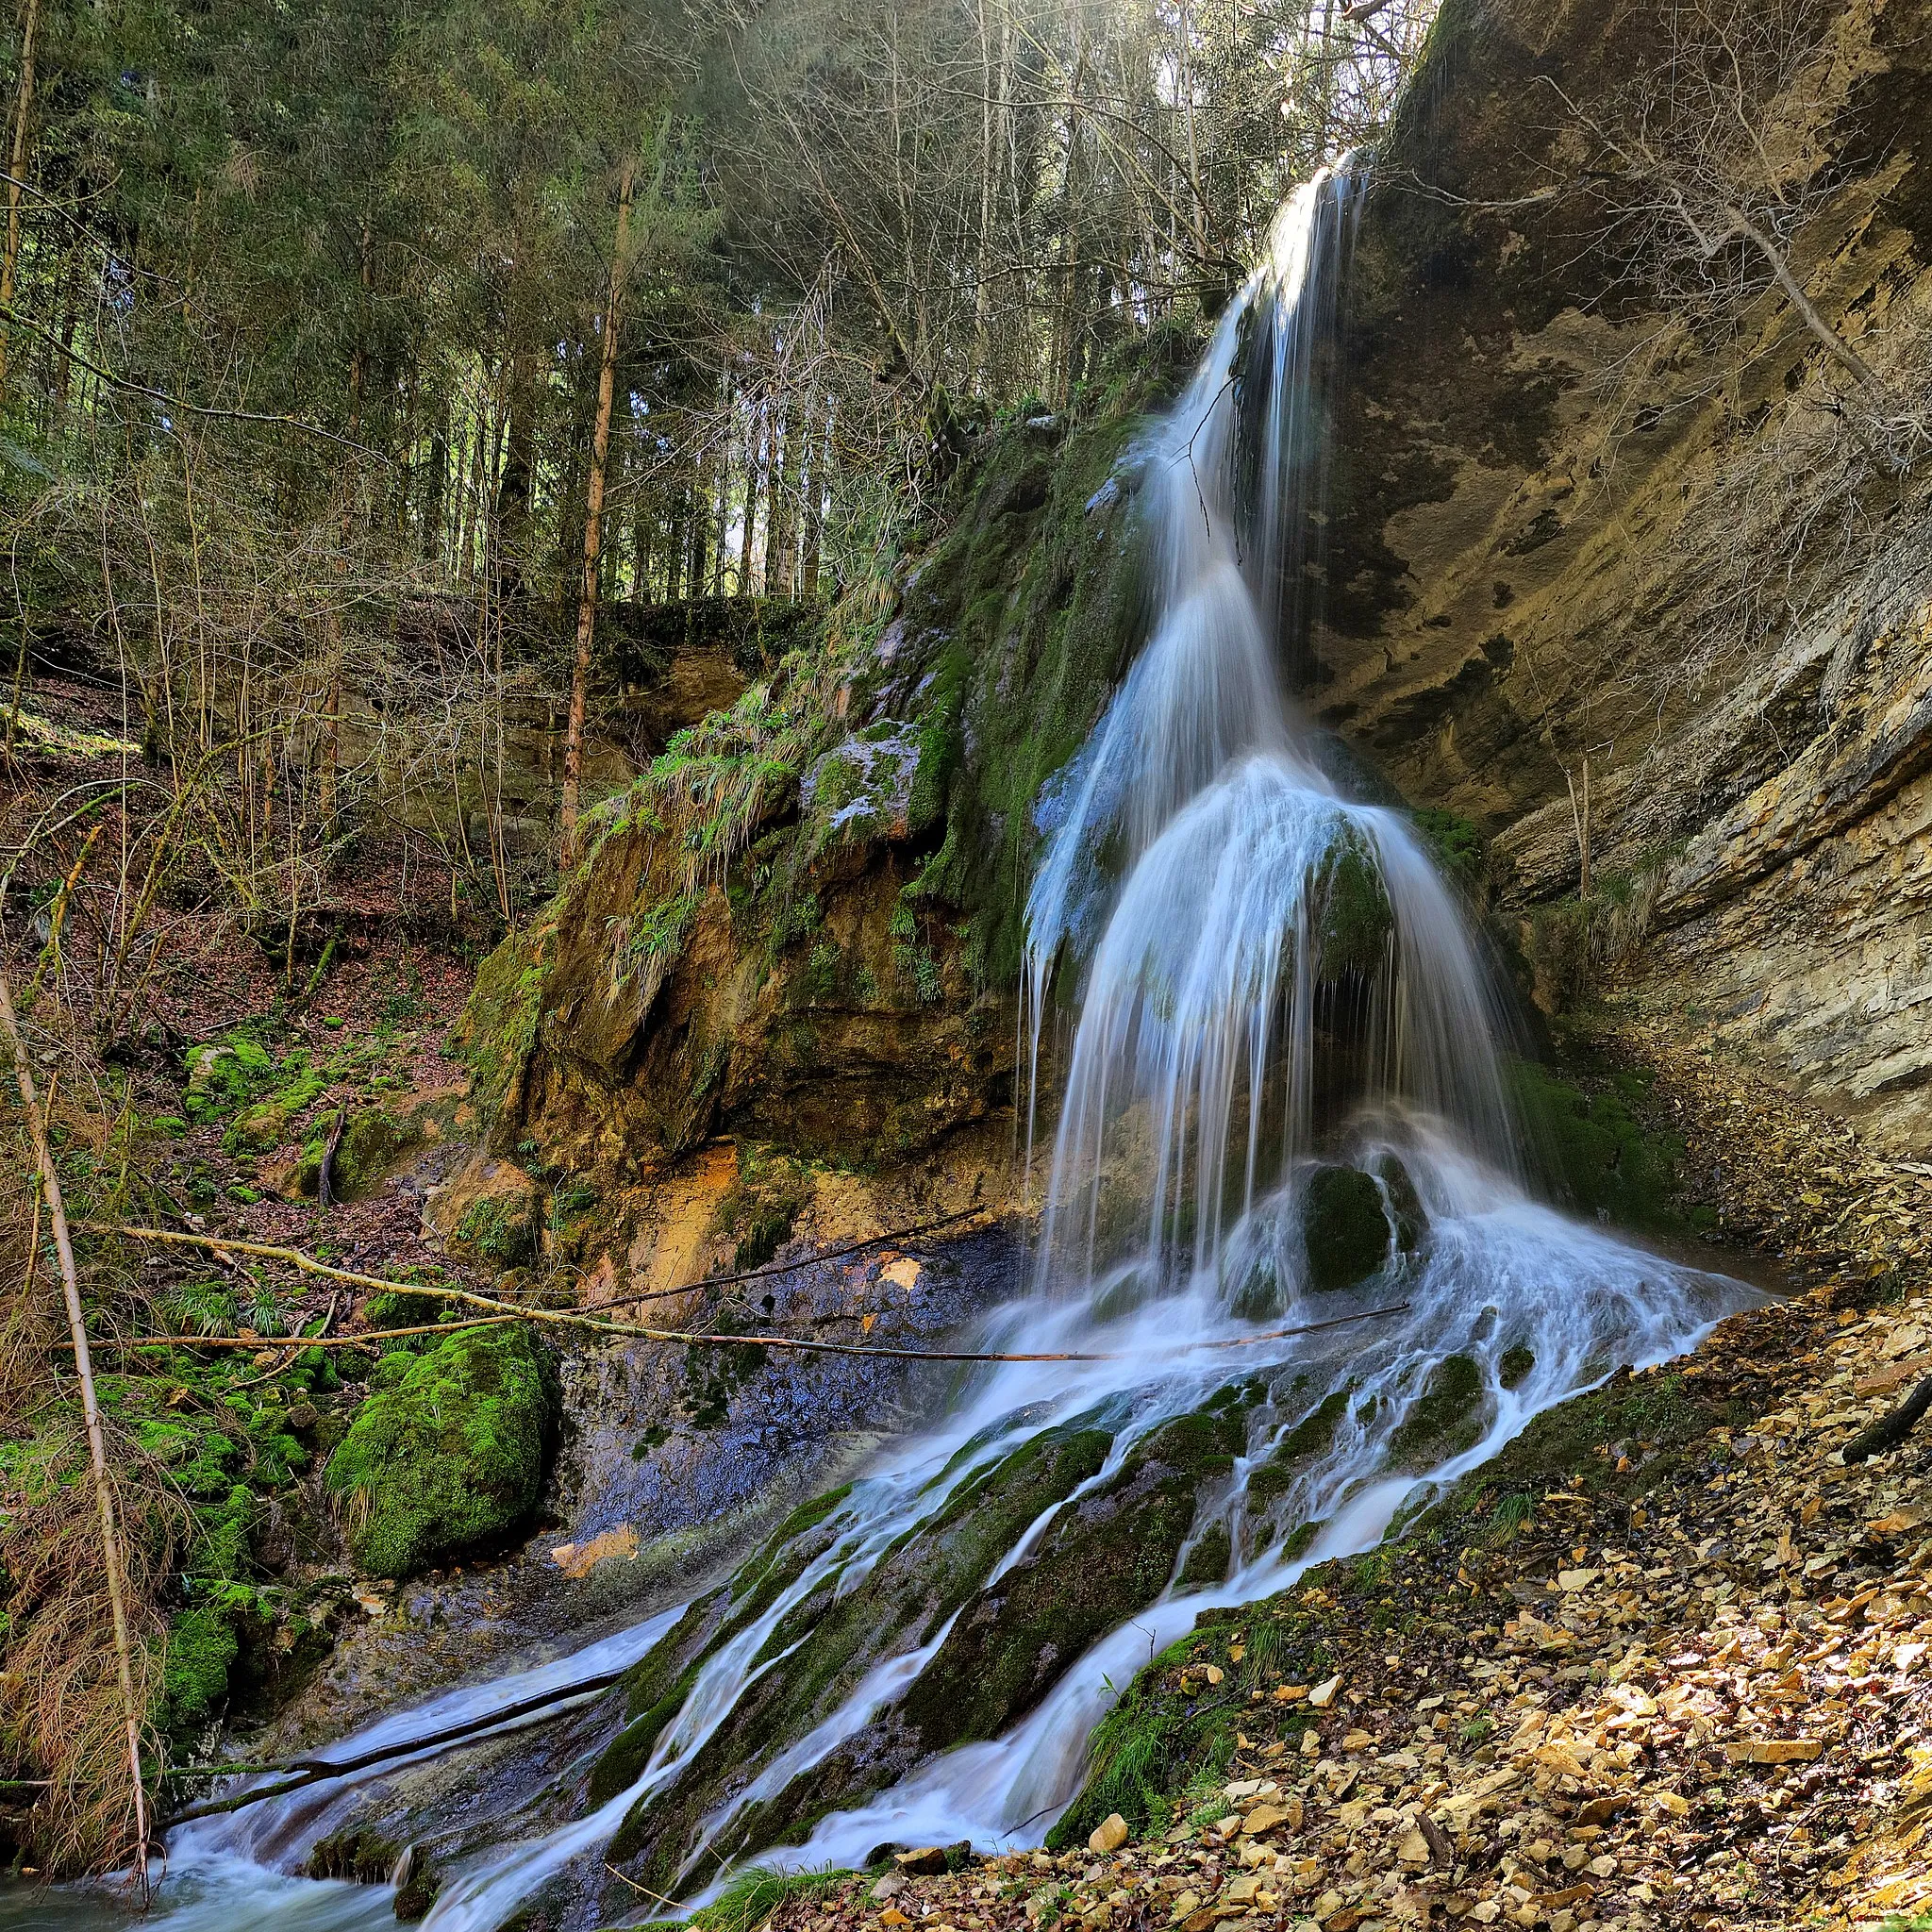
(1271, 985)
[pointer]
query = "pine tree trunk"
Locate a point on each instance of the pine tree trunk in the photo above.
(753, 429)
(16, 163)
(593, 531)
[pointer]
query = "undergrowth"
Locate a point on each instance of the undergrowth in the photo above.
(754, 1894)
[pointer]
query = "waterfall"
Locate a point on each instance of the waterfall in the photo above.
(1200, 853)
(1276, 1003)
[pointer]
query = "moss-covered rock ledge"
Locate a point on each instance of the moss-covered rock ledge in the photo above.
(801, 925)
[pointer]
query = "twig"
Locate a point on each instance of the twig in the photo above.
(310, 1771)
(91, 1410)
(361, 1340)
(295, 1348)
(174, 402)
(876, 1241)
(624, 1878)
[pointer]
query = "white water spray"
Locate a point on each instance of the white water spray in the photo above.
(1197, 864)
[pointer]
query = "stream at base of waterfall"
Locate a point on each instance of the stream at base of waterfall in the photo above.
(1274, 1001)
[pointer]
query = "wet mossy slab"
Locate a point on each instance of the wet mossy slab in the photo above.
(1344, 1229)
(1101, 1557)
(448, 1455)
(1105, 1555)
(1447, 1418)
(826, 1641)
(1312, 1436)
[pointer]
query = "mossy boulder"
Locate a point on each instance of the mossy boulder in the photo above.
(1344, 1228)
(268, 1122)
(372, 1141)
(1444, 1420)
(448, 1456)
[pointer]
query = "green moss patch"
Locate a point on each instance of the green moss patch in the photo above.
(195, 1675)
(762, 1204)
(1602, 1157)
(449, 1456)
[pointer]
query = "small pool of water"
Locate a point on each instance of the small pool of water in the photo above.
(210, 1895)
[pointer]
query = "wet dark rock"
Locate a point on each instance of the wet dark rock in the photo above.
(1515, 1367)
(1344, 1228)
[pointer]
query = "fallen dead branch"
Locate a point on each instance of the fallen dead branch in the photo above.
(310, 1771)
(598, 1324)
(1889, 1431)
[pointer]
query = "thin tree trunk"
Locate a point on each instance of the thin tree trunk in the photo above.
(983, 279)
(696, 495)
(90, 1411)
(1196, 203)
(594, 530)
(779, 523)
(16, 162)
(754, 426)
(724, 493)
(818, 475)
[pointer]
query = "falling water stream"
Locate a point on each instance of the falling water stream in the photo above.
(1200, 911)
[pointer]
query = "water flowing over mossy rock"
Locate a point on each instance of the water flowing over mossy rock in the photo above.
(1356, 918)
(1348, 1225)
(1101, 1558)
(357, 1853)
(1445, 1419)
(447, 1455)
(1310, 1437)
(828, 1640)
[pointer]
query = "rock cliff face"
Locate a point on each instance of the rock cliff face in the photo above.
(1629, 571)
(1614, 571)
(801, 925)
